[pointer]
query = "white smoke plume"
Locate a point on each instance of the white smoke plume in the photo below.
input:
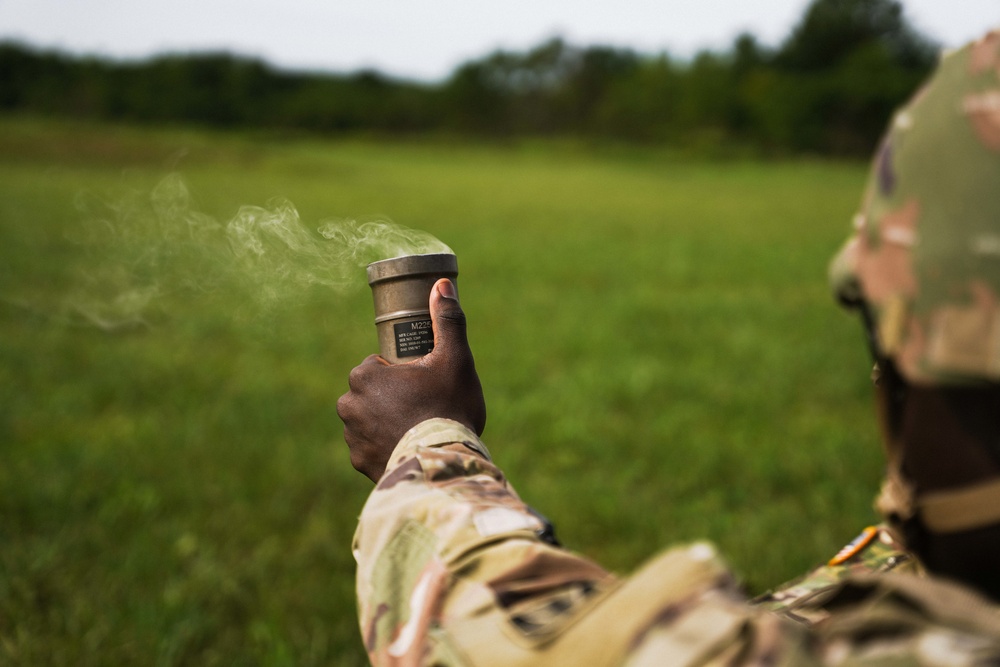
(144, 248)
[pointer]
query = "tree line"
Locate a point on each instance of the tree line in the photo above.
(828, 88)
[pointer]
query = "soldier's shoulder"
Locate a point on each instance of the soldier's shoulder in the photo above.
(873, 551)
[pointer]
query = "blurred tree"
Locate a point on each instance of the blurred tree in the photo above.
(748, 55)
(749, 60)
(843, 70)
(473, 101)
(709, 93)
(590, 81)
(831, 30)
(828, 88)
(642, 106)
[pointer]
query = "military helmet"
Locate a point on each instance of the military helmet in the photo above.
(924, 258)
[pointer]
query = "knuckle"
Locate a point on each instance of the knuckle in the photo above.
(362, 373)
(356, 377)
(343, 404)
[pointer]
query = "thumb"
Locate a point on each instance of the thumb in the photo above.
(447, 317)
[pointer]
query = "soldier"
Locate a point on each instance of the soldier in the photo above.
(454, 569)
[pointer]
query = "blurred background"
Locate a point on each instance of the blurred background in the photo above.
(642, 199)
(783, 75)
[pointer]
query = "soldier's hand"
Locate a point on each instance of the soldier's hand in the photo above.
(385, 401)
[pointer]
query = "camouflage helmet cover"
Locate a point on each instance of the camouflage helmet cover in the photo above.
(925, 254)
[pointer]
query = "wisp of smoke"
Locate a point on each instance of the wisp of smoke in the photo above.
(274, 245)
(143, 248)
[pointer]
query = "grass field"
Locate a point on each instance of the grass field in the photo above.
(661, 358)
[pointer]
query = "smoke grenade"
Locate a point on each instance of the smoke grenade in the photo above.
(401, 290)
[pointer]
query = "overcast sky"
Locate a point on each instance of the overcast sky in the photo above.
(426, 39)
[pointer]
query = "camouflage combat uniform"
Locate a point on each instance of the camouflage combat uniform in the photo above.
(874, 551)
(454, 569)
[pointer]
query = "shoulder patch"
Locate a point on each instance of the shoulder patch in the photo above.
(855, 546)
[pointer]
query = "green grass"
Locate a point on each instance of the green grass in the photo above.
(661, 358)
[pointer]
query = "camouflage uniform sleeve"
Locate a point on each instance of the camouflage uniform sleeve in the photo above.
(454, 569)
(443, 538)
(874, 551)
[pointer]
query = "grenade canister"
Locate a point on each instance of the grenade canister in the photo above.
(401, 290)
